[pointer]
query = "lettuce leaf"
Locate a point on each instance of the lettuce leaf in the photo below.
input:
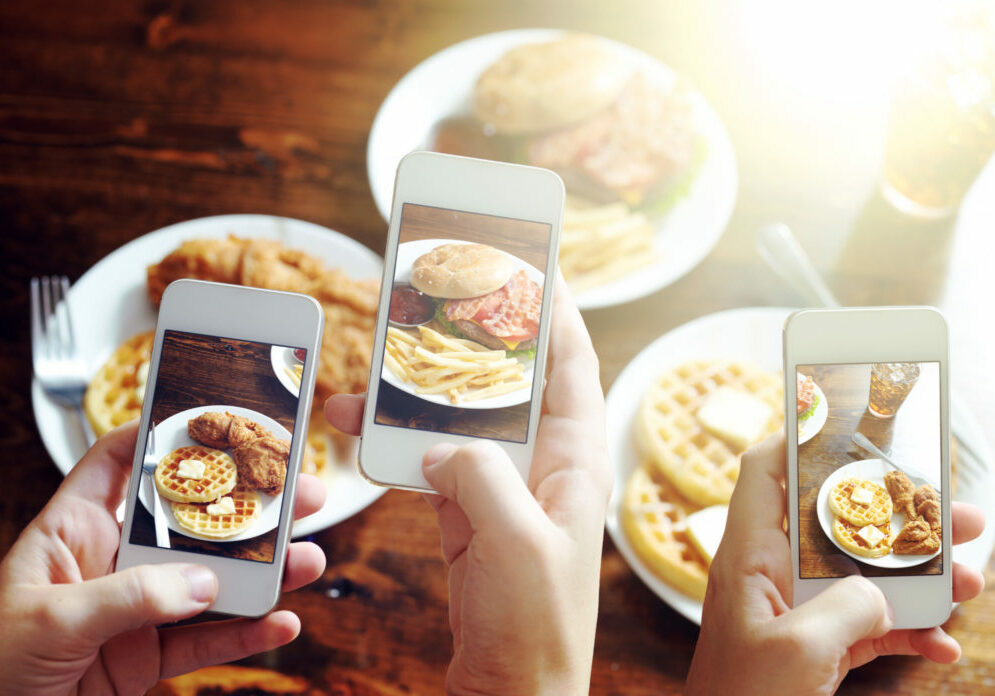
(807, 413)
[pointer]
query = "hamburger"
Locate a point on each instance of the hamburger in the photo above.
(808, 400)
(577, 106)
(482, 297)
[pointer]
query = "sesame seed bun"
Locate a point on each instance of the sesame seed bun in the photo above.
(458, 271)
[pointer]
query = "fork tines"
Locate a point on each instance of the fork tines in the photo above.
(51, 328)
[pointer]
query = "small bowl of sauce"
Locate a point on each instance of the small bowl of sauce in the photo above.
(409, 307)
(300, 354)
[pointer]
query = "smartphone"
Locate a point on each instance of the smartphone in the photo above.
(460, 345)
(868, 443)
(223, 425)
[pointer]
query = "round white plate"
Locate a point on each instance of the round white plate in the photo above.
(441, 86)
(870, 470)
(407, 253)
(282, 359)
(753, 335)
(171, 433)
(813, 425)
(108, 304)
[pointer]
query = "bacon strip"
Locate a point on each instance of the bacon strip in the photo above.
(511, 312)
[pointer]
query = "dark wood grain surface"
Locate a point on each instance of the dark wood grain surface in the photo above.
(197, 370)
(118, 118)
(911, 437)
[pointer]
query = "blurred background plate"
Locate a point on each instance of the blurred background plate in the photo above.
(109, 304)
(441, 86)
(753, 335)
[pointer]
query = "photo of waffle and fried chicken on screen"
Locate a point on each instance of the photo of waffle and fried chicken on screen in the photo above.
(463, 323)
(869, 478)
(218, 448)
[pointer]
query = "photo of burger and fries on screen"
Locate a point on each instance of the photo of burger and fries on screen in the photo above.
(463, 324)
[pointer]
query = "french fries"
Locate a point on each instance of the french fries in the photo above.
(600, 244)
(296, 373)
(461, 369)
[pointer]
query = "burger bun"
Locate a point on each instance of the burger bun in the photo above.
(458, 271)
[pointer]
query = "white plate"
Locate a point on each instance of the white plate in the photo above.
(407, 253)
(282, 359)
(870, 470)
(813, 425)
(753, 334)
(441, 86)
(171, 433)
(109, 304)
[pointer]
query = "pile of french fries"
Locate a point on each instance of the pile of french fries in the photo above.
(296, 373)
(461, 369)
(600, 244)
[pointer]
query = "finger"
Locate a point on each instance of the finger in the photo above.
(187, 648)
(455, 531)
(968, 522)
(345, 412)
(309, 496)
(967, 583)
(142, 595)
(573, 388)
(305, 564)
(482, 480)
(101, 476)
(932, 643)
(848, 611)
(757, 505)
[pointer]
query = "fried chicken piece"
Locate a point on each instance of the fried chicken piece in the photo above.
(930, 511)
(203, 259)
(268, 264)
(901, 490)
(262, 463)
(925, 492)
(210, 429)
(242, 430)
(916, 537)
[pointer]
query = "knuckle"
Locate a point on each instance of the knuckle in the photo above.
(142, 589)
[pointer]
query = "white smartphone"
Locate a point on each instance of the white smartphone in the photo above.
(869, 455)
(224, 419)
(460, 346)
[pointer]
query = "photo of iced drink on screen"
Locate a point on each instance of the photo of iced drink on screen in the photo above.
(463, 323)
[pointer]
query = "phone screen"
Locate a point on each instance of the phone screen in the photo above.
(218, 447)
(465, 308)
(857, 512)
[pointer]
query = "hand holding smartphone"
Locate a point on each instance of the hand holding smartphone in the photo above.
(219, 446)
(868, 455)
(463, 327)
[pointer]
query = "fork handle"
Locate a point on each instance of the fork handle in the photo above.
(84, 422)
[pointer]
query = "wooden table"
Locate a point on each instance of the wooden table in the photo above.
(120, 118)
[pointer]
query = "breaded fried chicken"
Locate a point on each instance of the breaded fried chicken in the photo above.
(243, 430)
(916, 537)
(929, 510)
(923, 493)
(901, 490)
(210, 429)
(262, 463)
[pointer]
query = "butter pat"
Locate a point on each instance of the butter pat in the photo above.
(862, 496)
(705, 529)
(871, 534)
(191, 469)
(735, 416)
(223, 506)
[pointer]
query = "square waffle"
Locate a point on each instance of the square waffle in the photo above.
(194, 517)
(702, 466)
(113, 395)
(220, 475)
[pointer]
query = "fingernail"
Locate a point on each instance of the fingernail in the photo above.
(436, 453)
(202, 582)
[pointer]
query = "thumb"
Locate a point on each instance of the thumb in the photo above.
(847, 611)
(142, 595)
(483, 481)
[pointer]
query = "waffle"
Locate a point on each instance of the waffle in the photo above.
(702, 466)
(653, 517)
(194, 517)
(220, 475)
(113, 396)
(846, 535)
(877, 512)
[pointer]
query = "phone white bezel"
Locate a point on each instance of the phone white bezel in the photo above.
(870, 335)
(389, 455)
(245, 588)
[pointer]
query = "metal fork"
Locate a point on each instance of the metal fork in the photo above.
(58, 366)
(149, 465)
